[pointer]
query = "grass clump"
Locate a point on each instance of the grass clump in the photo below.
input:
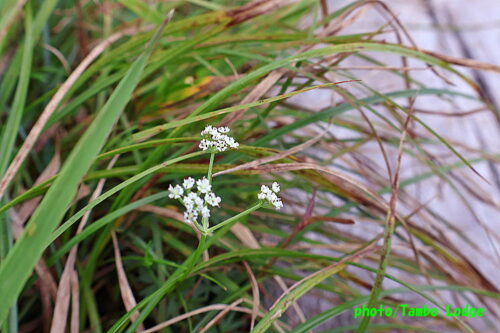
(127, 206)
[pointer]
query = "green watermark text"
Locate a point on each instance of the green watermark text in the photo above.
(405, 310)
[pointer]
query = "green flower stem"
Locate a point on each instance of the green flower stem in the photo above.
(236, 217)
(204, 221)
(210, 166)
(199, 227)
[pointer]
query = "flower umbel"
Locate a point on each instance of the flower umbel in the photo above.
(216, 140)
(269, 195)
(197, 197)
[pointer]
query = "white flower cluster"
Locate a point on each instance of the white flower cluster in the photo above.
(196, 203)
(217, 139)
(269, 194)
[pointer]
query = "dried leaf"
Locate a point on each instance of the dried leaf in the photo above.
(29, 206)
(255, 294)
(126, 292)
(255, 163)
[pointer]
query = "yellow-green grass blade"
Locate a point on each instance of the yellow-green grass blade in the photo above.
(143, 135)
(142, 9)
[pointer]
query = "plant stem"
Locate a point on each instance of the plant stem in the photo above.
(193, 259)
(204, 221)
(210, 166)
(377, 285)
(236, 217)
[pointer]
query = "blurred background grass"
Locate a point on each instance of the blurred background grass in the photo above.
(390, 200)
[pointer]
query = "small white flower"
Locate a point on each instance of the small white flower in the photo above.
(188, 183)
(212, 199)
(209, 129)
(264, 189)
(270, 195)
(190, 216)
(205, 144)
(216, 139)
(193, 200)
(205, 212)
(216, 136)
(277, 203)
(189, 198)
(198, 202)
(189, 205)
(203, 185)
(232, 143)
(175, 192)
(220, 146)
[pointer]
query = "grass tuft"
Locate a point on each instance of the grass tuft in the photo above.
(119, 92)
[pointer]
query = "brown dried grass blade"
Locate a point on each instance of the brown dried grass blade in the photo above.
(255, 8)
(221, 314)
(75, 304)
(255, 294)
(331, 219)
(29, 206)
(63, 292)
(245, 236)
(255, 163)
(207, 308)
(125, 290)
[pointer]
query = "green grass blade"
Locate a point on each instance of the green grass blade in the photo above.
(88, 231)
(12, 127)
(282, 305)
(143, 10)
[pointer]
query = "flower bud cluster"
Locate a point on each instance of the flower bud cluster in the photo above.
(269, 195)
(217, 140)
(196, 196)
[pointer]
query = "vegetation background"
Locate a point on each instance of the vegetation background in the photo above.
(354, 112)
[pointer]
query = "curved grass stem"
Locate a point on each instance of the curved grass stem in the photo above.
(235, 218)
